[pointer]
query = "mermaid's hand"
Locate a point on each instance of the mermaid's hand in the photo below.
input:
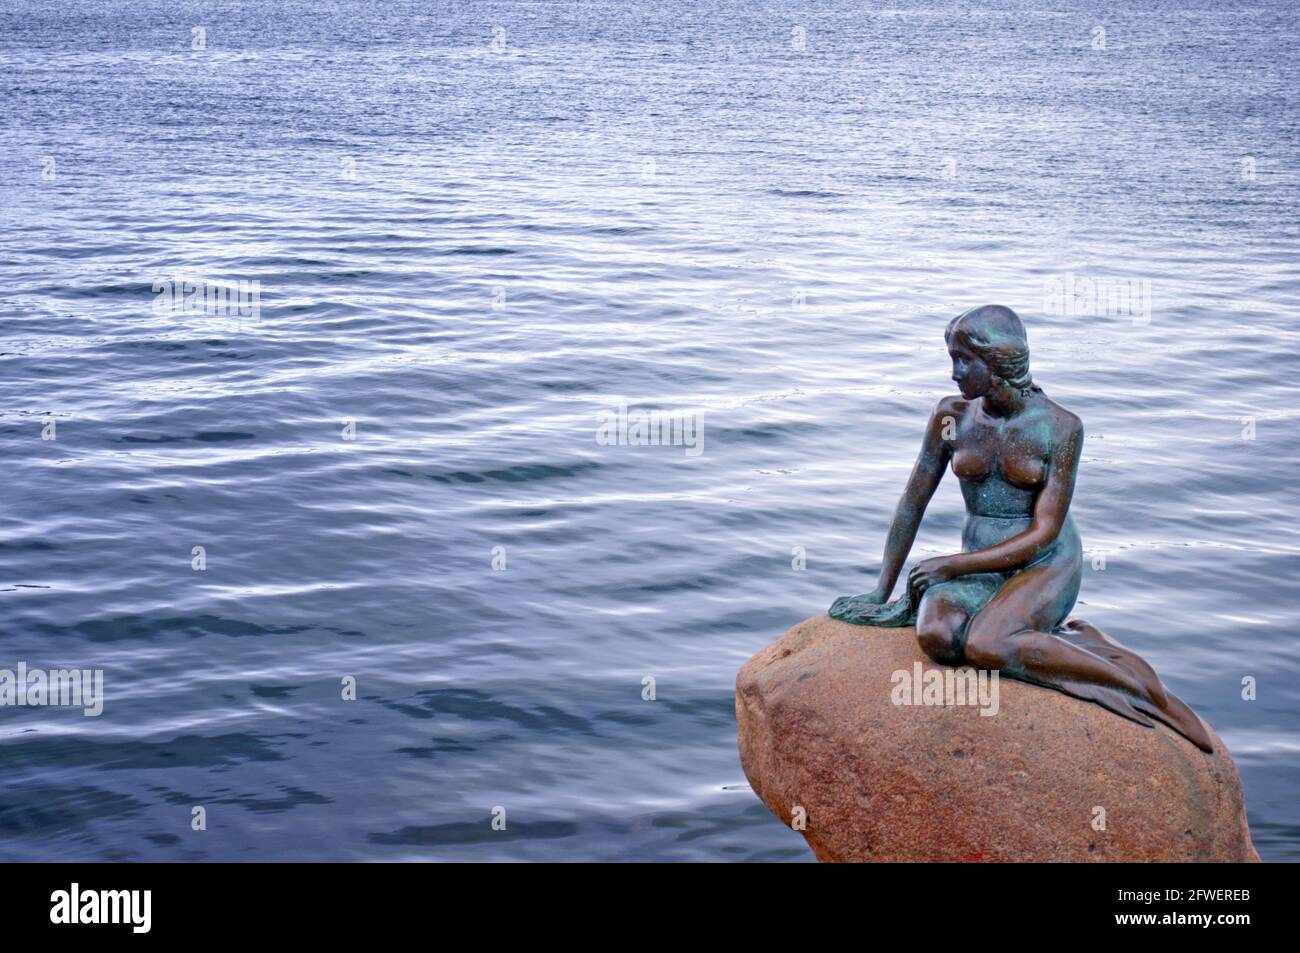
(930, 572)
(846, 606)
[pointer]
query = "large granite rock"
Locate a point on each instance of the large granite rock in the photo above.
(819, 730)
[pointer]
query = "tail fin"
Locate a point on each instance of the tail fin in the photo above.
(1163, 705)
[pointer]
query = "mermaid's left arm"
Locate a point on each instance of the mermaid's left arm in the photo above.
(1050, 511)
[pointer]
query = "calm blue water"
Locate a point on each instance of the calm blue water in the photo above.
(474, 242)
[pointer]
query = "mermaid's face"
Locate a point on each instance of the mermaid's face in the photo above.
(972, 375)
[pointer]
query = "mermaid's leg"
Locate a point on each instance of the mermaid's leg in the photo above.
(945, 611)
(1012, 633)
(1016, 633)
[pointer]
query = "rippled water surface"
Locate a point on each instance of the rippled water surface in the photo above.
(476, 228)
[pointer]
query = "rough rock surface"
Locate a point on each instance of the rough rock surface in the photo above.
(818, 730)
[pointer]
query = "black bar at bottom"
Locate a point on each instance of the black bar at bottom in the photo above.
(336, 901)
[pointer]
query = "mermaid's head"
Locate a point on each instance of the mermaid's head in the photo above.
(989, 347)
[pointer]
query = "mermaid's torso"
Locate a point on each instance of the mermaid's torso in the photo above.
(1002, 468)
(1000, 482)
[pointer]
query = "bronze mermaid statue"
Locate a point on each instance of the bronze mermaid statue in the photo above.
(1001, 603)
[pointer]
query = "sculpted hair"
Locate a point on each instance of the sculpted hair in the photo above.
(997, 336)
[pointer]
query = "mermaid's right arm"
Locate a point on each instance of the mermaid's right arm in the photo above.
(926, 474)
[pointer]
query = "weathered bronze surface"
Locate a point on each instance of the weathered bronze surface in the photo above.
(1001, 603)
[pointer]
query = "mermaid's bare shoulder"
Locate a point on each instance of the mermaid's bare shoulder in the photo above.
(1064, 423)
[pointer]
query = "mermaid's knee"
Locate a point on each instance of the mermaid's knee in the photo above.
(941, 644)
(941, 624)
